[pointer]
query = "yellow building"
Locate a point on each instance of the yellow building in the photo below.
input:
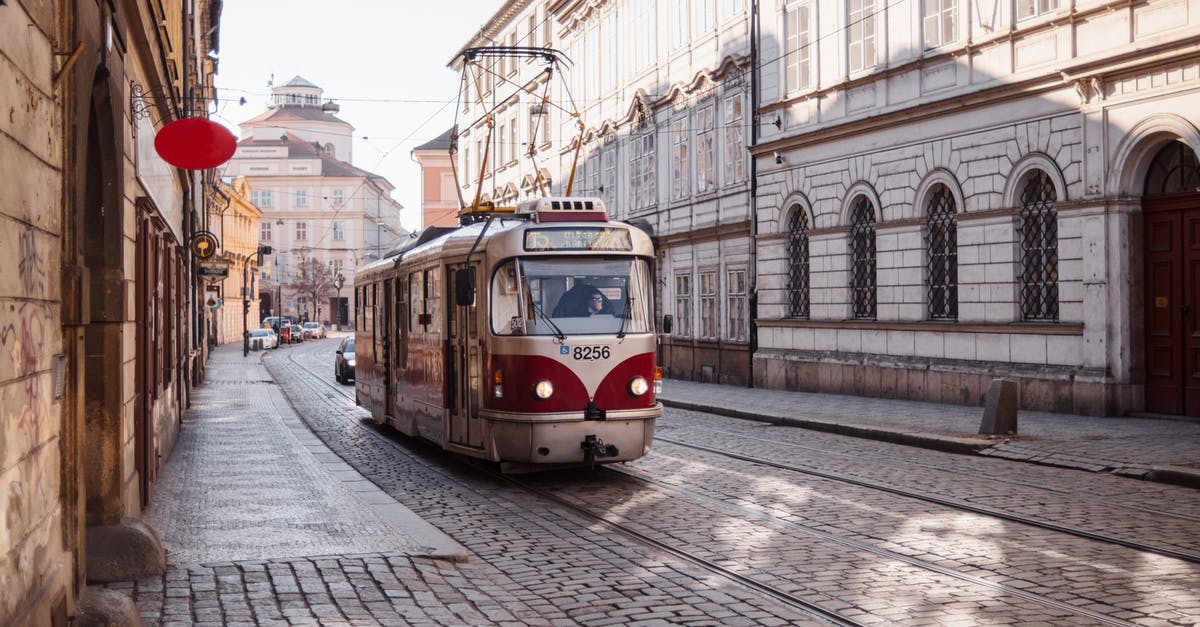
(234, 221)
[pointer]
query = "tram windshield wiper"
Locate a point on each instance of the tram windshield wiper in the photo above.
(625, 316)
(537, 309)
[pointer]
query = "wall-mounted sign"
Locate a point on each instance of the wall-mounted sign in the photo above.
(212, 271)
(195, 144)
(204, 245)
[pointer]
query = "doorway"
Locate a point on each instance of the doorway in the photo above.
(1171, 241)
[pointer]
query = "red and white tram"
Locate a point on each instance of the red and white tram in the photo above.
(527, 339)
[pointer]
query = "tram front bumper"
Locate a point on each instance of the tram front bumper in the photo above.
(571, 441)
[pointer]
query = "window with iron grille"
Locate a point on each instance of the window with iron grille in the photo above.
(1039, 248)
(683, 305)
(797, 264)
(862, 259)
(708, 305)
(941, 238)
(736, 330)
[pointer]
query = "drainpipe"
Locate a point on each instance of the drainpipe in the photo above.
(753, 270)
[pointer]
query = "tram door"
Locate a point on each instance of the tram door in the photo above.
(463, 364)
(389, 338)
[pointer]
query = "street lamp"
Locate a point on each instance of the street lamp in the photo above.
(338, 282)
(262, 250)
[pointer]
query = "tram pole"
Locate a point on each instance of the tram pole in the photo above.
(262, 250)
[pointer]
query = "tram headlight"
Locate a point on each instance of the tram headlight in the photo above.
(544, 389)
(638, 386)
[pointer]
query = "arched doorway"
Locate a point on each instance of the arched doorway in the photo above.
(1171, 242)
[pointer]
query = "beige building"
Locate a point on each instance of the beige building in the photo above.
(98, 324)
(315, 204)
(235, 222)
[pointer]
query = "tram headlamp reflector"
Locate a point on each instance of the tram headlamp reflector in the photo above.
(638, 386)
(544, 389)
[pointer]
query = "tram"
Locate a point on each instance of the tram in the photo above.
(527, 339)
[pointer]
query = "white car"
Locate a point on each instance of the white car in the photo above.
(314, 330)
(261, 339)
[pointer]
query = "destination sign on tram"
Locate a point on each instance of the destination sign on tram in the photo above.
(578, 238)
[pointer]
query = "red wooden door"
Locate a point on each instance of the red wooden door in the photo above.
(1172, 248)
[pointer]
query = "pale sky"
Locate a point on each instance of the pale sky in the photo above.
(383, 61)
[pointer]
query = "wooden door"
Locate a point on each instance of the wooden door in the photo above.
(1172, 256)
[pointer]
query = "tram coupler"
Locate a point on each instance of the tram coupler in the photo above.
(594, 448)
(591, 412)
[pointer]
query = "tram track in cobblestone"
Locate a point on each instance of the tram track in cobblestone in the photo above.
(957, 504)
(749, 581)
(806, 608)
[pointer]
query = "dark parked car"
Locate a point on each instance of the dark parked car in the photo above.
(343, 361)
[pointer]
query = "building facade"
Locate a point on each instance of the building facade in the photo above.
(98, 337)
(296, 157)
(439, 197)
(661, 90)
(950, 193)
(234, 301)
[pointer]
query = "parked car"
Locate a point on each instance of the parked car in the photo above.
(314, 330)
(297, 333)
(262, 339)
(343, 361)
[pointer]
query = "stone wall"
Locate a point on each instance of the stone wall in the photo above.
(35, 567)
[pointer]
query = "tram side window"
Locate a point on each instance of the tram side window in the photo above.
(416, 303)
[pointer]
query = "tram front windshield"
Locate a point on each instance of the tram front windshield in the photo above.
(571, 295)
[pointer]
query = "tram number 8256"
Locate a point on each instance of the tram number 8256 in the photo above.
(590, 353)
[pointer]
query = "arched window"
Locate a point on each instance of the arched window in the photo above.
(1174, 169)
(1039, 248)
(862, 259)
(941, 238)
(797, 260)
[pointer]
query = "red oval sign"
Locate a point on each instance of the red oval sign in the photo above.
(195, 144)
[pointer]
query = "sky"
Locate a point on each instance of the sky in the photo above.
(383, 61)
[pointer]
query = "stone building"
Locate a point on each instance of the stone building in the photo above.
(98, 339)
(315, 204)
(662, 89)
(235, 222)
(950, 192)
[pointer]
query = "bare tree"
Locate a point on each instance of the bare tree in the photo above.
(314, 282)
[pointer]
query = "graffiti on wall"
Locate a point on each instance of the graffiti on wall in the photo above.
(31, 267)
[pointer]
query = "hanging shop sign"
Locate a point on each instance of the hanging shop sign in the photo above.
(195, 144)
(204, 245)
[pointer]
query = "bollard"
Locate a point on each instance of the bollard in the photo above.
(1000, 409)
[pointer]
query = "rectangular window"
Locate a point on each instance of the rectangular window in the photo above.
(705, 149)
(735, 148)
(679, 23)
(705, 11)
(641, 34)
(679, 159)
(732, 8)
(264, 231)
(512, 62)
(940, 22)
(737, 305)
(533, 30)
(301, 198)
(338, 198)
(683, 305)
(608, 179)
(645, 193)
(301, 231)
(339, 231)
(514, 141)
(797, 25)
(263, 199)
(577, 77)
(610, 52)
(708, 306)
(336, 265)
(862, 35)
(592, 63)
(1034, 8)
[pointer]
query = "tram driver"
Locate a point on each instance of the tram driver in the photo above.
(581, 301)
